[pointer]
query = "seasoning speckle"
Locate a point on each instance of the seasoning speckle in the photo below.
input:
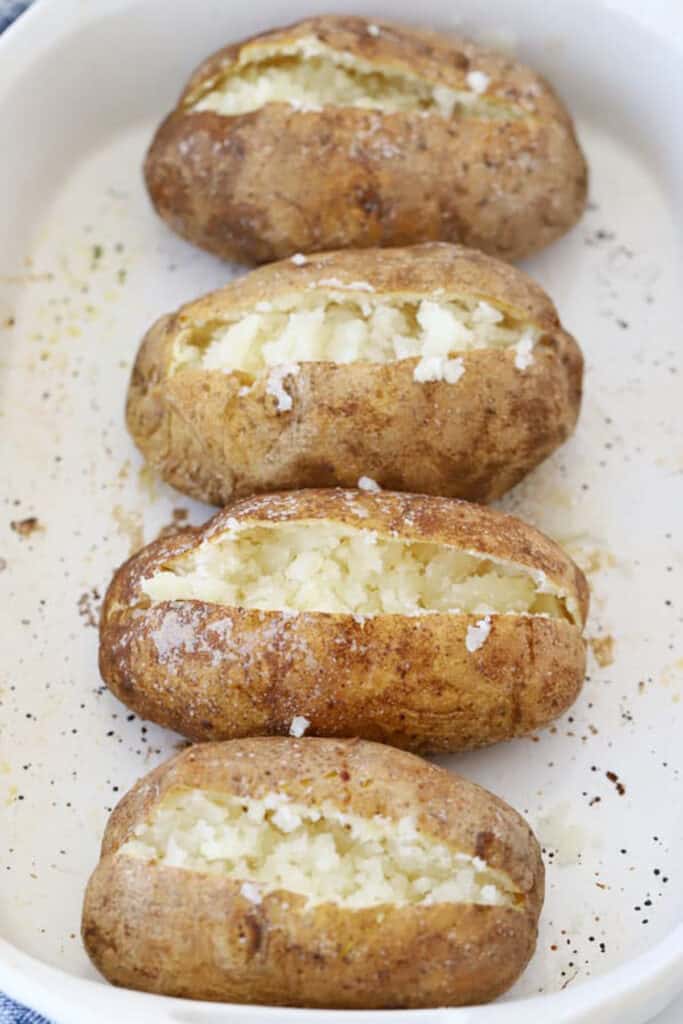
(619, 786)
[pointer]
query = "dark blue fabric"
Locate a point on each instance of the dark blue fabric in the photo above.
(13, 1013)
(9, 10)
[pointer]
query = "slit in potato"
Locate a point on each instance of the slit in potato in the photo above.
(326, 566)
(320, 326)
(308, 76)
(317, 851)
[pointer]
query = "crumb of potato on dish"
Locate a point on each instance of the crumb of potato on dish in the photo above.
(130, 525)
(603, 649)
(27, 527)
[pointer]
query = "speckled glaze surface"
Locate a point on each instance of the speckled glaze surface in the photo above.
(85, 266)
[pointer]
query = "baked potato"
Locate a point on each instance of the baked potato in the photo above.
(314, 872)
(423, 622)
(338, 132)
(433, 369)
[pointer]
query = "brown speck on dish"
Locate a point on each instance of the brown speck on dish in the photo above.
(178, 522)
(89, 607)
(27, 527)
(619, 786)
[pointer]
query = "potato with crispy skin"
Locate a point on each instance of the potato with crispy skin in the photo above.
(423, 622)
(317, 873)
(337, 132)
(433, 369)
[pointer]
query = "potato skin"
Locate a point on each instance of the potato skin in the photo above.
(213, 672)
(262, 185)
(474, 439)
(181, 933)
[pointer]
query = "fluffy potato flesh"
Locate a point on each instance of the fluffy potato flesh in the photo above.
(309, 75)
(329, 326)
(274, 843)
(325, 566)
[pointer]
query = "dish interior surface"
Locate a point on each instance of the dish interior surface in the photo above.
(85, 267)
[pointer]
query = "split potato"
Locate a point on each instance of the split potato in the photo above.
(433, 369)
(423, 622)
(338, 132)
(317, 873)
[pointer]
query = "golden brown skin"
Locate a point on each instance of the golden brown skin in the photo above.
(182, 933)
(262, 185)
(474, 439)
(216, 672)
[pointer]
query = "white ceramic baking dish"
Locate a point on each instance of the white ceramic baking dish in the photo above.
(85, 266)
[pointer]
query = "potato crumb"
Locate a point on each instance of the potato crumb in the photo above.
(603, 649)
(26, 527)
(275, 385)
(524, 351)
(478, 81)
(299, 726)
(477, 635)
(299, 260)
(336, 282)
(366, 483)
(251, 892)
(373, 30)
(439, 368)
